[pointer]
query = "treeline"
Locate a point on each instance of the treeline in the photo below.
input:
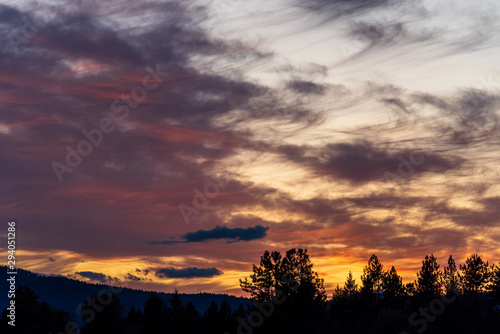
(455, 299)
(289, 297)
(105, 314)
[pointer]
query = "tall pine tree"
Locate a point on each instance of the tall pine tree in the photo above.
(474, 274)
(429, 277)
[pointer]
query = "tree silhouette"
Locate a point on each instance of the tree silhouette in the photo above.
(350, 286)
(33, 316)
(474, 274)
(451, 282)
(291, 276)
(191, 319)
(155, 314)
(393, 284)
(266, 277)
(210, 319)
(289, 289)
(134, 321)
(494, 286)
(108, 317)
(429, 277)
(224, 316)
(373, 277)
(239, 312)
(176, 313)
(410, 289)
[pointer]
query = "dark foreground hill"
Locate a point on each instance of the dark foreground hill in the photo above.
(67, 294)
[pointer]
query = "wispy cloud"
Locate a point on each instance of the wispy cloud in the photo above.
(303, 121)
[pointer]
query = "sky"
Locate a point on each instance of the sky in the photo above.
(168, 144)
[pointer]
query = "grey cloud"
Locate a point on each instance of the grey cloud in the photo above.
(189, 272)
(363, 162)
(339, 8)
(98, 277)
(467, 117)
(132, 277)
(224, 232)
(219, 232)
(306, 87)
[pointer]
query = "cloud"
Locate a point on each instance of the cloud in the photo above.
(133, 277)
(487, 216)
(377, 34)
(9, 14)
(144, 271)
(195, 114)
(339, 8)
(219, 232)
(467, 117)
(190, 272)
(306, 87)
(93, 276)
(363, 162)
(224, 232)
(338, 132)
(370, 27)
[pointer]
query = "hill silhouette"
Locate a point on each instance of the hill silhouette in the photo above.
(67, 294)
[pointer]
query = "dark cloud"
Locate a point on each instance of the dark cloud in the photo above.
(9, 14)
(133, 277)
(487, 216)
(363, 162)
(389, 201)
(377, 33)
(322, 210)
(219, 232)
(224, 232)
(139, 271)
(306, 87)
(467, 117)
(190, 272)
(98, 277)
(82, 36)
(339, 8)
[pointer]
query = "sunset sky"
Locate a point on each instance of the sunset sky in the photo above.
(168, 144)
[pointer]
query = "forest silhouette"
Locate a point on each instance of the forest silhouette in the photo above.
(288, 296)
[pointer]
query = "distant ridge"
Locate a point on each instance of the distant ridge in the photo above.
(66, 293)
